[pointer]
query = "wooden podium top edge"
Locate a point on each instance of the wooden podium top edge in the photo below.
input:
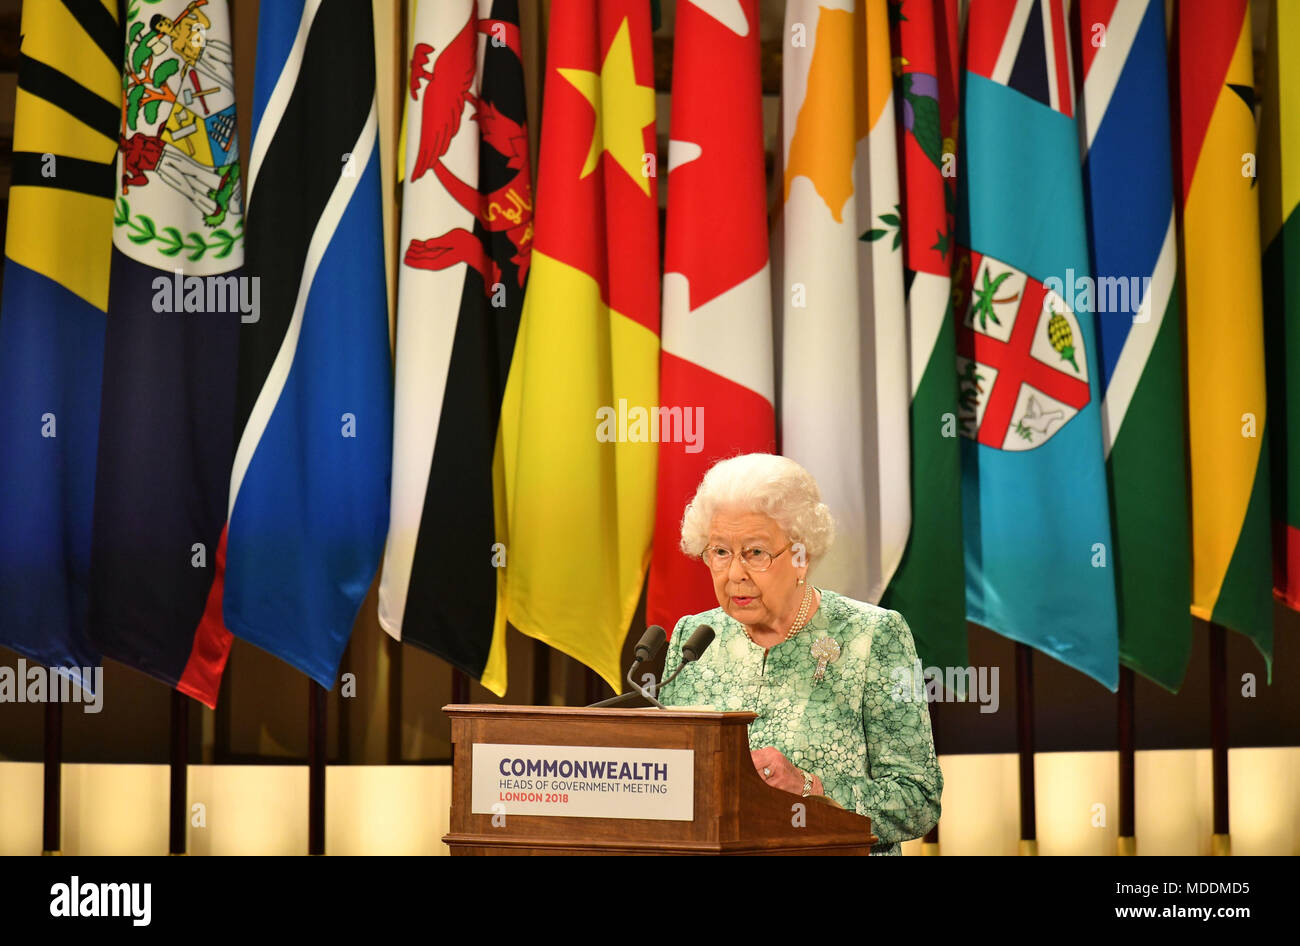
(642, 713)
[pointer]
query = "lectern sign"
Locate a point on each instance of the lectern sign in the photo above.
(584, 782)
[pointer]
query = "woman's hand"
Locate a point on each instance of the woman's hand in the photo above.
(784, 774)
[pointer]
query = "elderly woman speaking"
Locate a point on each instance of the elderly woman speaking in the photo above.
(814, 665)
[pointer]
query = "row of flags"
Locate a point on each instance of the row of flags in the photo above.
(197, 397)
(963, 304)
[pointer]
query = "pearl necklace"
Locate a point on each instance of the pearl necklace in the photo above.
(800, 619)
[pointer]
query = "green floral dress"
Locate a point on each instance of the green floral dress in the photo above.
(873, 752)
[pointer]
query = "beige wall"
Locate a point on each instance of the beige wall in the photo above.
(262, 809)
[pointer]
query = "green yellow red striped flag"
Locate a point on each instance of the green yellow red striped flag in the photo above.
(1226, 399)
(1279, 194)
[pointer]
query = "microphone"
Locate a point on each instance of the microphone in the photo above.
(692, 650)
(647, 648)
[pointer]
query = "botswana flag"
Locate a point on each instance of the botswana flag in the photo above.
(309, 487)
(467, 234)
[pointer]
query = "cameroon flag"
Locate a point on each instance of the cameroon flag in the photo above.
(576, 496)
(1225, 326)
(1279, 193)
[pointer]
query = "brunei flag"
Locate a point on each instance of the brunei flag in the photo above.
(845, 390)
(1226, 409)
(1039, 562)
(467, 235)
(308, 508)
(176, 302)
(929, 585)
(578, 475)
(1128, 180)
(57, 248)
(715, 375)
(1279, 194)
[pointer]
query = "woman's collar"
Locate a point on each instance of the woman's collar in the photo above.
(820, 620)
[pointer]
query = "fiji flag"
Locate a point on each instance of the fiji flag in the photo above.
(1130, 190)
(1034, 500)
(309, 486)
(58, 247)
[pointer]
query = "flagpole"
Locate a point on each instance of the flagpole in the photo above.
(344, 728)
(53, 772)
(459, 685)
(316, 722)
(394, 698)
(1220, 842)
(592, 684)
(1127, 842)
(178, 807)
(541, 673)
(1025, 745)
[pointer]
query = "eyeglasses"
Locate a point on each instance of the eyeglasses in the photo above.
(754, 558)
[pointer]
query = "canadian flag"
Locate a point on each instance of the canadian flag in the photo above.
(716, 362)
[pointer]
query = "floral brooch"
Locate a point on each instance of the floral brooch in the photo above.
(827, 651)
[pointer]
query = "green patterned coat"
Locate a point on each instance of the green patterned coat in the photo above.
(873, 751)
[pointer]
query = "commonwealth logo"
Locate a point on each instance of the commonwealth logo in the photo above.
(1021, 365)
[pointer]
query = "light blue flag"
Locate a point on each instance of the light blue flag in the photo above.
(1034, 496)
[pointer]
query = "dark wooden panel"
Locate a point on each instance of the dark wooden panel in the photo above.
(735, 812)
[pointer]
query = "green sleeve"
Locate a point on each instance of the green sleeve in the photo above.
(900, 789)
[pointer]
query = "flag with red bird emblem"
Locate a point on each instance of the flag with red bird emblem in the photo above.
(716, 365)
(466, 238)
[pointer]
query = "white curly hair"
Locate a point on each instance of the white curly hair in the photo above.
(765, 483)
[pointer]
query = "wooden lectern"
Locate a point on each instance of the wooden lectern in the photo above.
(729, 809)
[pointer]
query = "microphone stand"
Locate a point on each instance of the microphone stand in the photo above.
(637, 690)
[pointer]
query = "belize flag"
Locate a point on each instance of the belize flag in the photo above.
(175, 307)
(1034, 498)
(308, 505)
